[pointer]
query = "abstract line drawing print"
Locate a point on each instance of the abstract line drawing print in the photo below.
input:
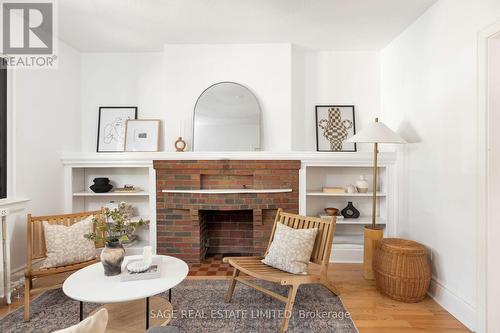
(115, 130)
(335, 129)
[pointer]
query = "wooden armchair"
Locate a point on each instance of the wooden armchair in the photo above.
(320, 255)
(36, 251)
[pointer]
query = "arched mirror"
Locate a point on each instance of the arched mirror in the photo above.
(226, 118)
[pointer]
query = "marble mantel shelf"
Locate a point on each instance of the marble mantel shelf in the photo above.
(231, 191)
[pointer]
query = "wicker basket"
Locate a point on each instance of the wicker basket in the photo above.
(402, 270)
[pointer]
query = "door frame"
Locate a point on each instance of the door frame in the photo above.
(482, 166)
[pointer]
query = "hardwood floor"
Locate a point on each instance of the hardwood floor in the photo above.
(371, 312)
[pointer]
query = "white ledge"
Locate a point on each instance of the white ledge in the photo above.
(13, 205)
(231, 191)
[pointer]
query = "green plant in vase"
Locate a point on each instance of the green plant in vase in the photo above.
(114, 228)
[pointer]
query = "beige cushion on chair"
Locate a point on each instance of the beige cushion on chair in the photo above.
(94, 324)
(66, 245)
(291, 249)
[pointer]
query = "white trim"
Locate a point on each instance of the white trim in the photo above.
(453, 303)
(145, 159)
(482, 177)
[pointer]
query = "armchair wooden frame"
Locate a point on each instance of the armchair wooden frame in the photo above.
(36, 250)
(253, 266)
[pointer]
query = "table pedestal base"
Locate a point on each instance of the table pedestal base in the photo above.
(131, 316)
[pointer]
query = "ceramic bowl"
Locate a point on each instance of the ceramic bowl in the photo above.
(137, 267)
(331, 211)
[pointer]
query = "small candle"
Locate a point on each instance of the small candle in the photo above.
(147, 254)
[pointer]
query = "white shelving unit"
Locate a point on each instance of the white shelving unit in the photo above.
(79, 175)
(348, 239)
(318, 170)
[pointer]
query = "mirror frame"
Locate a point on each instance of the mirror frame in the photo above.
(239, 84)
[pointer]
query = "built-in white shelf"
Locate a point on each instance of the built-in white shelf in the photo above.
(349, 233)
(231, 191)
(364, 220)
(326, 194)
(111, 194)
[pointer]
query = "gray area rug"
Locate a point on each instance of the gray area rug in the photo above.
(199, 306)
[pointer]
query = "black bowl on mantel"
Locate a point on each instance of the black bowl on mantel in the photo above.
(101, 185)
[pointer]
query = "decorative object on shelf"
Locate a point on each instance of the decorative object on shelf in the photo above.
(350, 212)
(331, 211)
(334, 190)
(402, 269)
(127, 188)
(111, 204)
(374, 133)
(101, 185)
(351, 189)
(180, 145)
(117, 228)
(142, 135)
(362, 184)
(336, 124)
(111, 127)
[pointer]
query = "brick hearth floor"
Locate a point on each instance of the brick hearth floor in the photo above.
(211, 266)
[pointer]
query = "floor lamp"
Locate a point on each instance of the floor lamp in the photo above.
(375, 133)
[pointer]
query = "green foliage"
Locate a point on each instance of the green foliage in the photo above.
(114, 225)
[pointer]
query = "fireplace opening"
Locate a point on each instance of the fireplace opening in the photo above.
(227, 232)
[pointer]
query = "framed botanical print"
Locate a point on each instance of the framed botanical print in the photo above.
(142, 135)
(111, 127)
(334, 125)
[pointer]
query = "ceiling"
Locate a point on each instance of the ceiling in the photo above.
(146, 25)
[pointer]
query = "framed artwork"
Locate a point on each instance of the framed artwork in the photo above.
(142, 135)
(334, 125)
(111, 127)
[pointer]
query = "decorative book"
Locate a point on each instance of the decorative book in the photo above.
(152, 272)
(333, 190)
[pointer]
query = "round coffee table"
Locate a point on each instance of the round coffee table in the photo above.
(90, 285)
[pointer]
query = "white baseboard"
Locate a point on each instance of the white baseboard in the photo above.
(453, 303)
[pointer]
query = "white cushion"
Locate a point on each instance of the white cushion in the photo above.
(291, 249)
(67, 245)
(93, 324)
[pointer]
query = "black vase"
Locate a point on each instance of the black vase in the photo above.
(101, 185)
(350, 212)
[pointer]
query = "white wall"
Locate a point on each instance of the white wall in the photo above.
(333, 78)
(429, 92)
(263, 68)
(46, 109)
(120, 79)
(493, 227)
(288, 81)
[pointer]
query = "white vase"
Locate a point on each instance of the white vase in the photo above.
(362, 184)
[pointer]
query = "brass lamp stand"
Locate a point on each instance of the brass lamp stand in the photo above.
(374, 133)
(372, 233)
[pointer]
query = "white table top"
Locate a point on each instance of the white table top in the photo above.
(89, 284)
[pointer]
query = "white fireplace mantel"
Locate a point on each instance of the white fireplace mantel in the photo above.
(145, 159)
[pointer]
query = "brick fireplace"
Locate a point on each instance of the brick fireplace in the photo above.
(199, 218)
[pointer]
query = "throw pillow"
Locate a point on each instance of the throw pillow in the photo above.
(66, 245)
(94, 324)
(291, 249)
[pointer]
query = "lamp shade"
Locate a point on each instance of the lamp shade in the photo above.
(376, 132)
